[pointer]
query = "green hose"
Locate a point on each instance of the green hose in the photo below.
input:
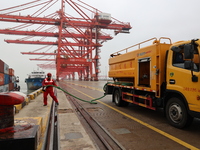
(91, 102)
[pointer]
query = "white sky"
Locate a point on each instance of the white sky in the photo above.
(176, 19)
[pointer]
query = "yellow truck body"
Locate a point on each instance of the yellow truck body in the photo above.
(161, 75)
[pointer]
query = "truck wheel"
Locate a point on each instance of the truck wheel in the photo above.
(176, 113)
(118, 99)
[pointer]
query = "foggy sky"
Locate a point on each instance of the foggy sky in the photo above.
(176, 19)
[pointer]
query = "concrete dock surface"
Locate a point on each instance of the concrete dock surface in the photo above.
(72, 134)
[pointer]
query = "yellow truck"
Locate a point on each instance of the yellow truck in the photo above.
(161, 75)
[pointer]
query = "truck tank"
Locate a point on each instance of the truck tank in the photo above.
(140, 66)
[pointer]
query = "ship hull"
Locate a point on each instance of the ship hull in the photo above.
(34, 83)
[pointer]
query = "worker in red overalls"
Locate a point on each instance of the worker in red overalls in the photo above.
(49, 89)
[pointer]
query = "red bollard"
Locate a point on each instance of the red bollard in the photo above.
(7, 102)
(16, 134)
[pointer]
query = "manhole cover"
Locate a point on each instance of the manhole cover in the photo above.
(121, 131)
(65, 111)
(74, 135)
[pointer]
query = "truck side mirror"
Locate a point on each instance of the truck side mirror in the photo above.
(176, 49)
(188, 51)
(189, 65)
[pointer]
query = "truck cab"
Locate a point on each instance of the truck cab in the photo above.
(182, 97)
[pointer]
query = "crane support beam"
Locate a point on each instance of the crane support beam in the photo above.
(51, 34)
(31, 42)
(72, 70)
(32, 53)
(50, 43)
(27, 19)
(68, 61)
(75, 61)
(47, 66)
(69, 22)
(37, 59)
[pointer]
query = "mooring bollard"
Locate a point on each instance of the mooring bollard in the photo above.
(17, 133)
(7, 102)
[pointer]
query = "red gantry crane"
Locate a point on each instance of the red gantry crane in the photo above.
(75, 41)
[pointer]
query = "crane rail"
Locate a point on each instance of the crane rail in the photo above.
(102, 138)
(51, 139)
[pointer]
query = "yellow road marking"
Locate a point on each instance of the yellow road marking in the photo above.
(89, 87)
(154, 129)
(81, 92)
(146, 124)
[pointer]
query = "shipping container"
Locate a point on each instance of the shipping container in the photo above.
(12, 79)
(1, 79)
(1, 88)
(11, 86)
(1, 66)
(4, 88)
(11, 72)
(6, 79)
(6, 68)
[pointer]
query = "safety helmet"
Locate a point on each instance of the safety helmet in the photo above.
(48, 74)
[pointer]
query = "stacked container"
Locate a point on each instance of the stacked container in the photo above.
(7, 78)
(11, 79)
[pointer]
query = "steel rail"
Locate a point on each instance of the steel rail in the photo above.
(107, 142)
(51, 139)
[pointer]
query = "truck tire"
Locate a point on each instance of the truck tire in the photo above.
(176, 113)
(118, 99)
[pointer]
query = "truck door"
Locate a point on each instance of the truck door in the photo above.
(144, 72)
(179, 77)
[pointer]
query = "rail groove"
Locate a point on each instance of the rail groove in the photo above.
(51, 139)
(102, 138)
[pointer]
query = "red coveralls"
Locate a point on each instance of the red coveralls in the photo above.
(49, 90)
